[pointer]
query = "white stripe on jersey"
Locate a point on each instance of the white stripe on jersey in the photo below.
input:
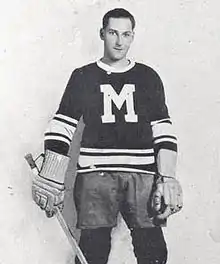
(163, 129)
(86, 160)
(165, 139)
(115, 169)
(67, 118)
(159, 121)
(133, 151)
(56, 126)
(58, 138)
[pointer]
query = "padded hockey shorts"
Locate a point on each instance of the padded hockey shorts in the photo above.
(100, 196)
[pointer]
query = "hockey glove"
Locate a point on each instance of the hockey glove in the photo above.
(167, 199)
(48, 186)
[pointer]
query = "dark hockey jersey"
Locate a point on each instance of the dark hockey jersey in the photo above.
(125, 115)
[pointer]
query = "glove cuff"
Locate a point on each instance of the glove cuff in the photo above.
(162, 177)
(54, 166)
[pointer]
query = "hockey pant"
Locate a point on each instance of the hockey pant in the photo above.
(99, 197)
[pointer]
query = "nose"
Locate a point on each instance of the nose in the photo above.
(119, 40)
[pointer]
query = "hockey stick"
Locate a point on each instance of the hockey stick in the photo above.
(60, 218)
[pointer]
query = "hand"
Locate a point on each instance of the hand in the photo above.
(167, 198)
(48, 186)
(48, 195)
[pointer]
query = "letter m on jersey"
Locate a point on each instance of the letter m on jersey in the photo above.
(125, 96)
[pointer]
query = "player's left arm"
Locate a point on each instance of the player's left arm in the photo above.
(165, 144)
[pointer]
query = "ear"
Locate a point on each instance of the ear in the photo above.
(133, 34)
(101, 33)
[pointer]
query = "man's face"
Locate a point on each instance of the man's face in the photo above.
(117, 37)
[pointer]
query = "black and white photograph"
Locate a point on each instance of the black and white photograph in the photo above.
(110, 139)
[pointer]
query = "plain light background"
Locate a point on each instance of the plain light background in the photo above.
(41, 42)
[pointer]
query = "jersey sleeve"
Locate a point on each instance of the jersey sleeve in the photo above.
(61, 128)
(162, 129)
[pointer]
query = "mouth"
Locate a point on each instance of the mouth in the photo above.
(118, 49)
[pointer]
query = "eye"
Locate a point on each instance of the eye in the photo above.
(111, 32)
(127, 34)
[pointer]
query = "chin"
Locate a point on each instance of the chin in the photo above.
(118, 57)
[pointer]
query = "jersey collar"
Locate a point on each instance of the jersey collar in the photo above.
(109, 69)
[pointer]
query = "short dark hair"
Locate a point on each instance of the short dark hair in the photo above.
(118, 13)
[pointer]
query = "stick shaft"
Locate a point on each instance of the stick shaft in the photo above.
(70, 237)
(60, 218)
(31, 163)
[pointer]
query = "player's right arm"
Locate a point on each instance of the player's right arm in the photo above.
(48, 185)
(61, 128)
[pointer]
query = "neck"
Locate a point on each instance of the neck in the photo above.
(117, 63)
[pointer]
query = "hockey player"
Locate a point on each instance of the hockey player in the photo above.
(128, 150)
